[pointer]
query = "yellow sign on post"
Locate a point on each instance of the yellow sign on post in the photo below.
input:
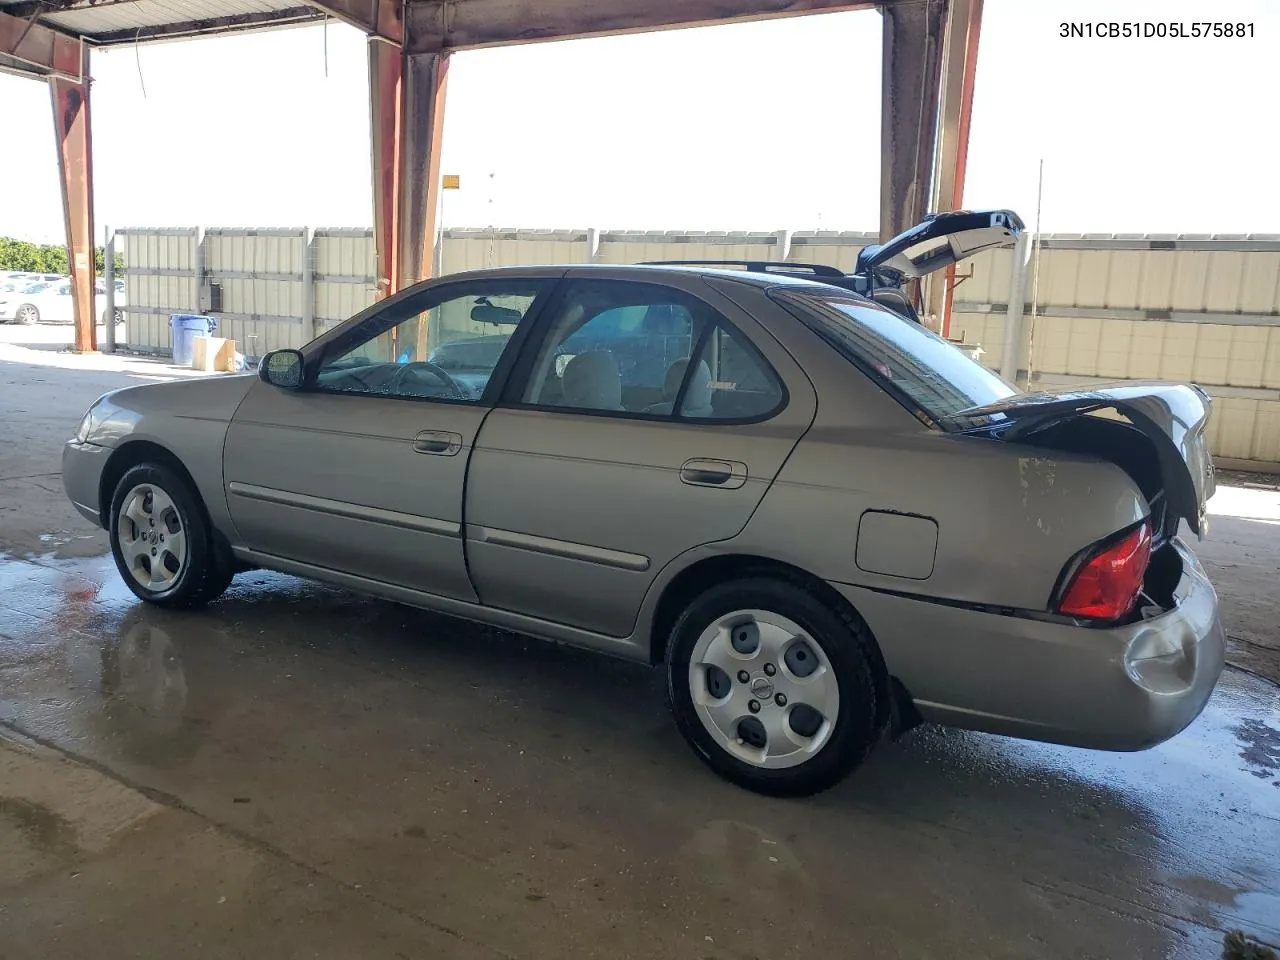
(452, 181)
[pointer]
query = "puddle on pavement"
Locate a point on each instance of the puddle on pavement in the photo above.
(1190, 828)
(1260, 749)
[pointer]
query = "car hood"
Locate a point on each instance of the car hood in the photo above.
(1173, 416)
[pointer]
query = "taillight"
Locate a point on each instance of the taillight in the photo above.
(1106, 586)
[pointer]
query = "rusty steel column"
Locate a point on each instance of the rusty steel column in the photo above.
(70, 99)
(386, 81)
(959, 69)
(422, 117)
(406, 109)
(911, 71)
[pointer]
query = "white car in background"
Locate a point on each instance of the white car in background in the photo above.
(53, 303)
(13, 281)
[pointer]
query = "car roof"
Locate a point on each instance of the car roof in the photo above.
(654, 272)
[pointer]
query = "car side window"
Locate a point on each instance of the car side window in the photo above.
(620, 347)
(729, 381)
(441, 345)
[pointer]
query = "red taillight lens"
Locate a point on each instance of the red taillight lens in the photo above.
(1108, 583)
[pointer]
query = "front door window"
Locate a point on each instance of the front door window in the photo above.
(443, 345)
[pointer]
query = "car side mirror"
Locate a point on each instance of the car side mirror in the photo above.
(282, 368)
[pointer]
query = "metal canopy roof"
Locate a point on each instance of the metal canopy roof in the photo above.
(112, 21)
(35, 34)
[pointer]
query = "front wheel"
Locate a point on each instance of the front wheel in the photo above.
(27, 314)
(772, 688)
(161, 540)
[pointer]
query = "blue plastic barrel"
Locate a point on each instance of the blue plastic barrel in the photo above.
(186, 327)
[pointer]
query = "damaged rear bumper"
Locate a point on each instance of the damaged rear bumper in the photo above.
(1123, 688)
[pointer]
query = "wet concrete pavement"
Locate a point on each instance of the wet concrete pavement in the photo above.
(301, 772)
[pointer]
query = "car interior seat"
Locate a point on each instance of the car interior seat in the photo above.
(592, 380)
(697, 399)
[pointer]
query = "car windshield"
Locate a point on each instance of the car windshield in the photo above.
(469, 354)
(37, 288)
(912, 362)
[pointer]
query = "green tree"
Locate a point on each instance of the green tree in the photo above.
(17, 254)
(45, 258)
(100, 260)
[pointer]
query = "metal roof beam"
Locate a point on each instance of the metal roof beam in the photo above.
(378, 18)
(436, 25)
(48, 52)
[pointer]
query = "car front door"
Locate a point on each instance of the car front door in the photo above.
(362, 469)
(584, 483)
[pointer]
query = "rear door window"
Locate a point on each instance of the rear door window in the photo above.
(647, 350)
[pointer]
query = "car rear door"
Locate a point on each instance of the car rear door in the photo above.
(582, 487)
(362, 470)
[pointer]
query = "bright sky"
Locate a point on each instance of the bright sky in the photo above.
(752, 126)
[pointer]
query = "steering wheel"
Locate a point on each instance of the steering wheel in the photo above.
(418, 367)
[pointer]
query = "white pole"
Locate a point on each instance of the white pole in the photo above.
(1037, 243)
(1017, 302)
(109, 287)
(308, 286)
(438, 267)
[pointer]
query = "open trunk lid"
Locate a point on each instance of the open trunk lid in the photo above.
(940, 240)
(1172, 416)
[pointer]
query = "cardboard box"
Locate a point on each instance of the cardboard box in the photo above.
(213, 354)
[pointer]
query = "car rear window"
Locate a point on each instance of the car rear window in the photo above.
(913, 363)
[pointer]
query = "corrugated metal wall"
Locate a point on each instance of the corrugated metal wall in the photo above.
(161, 281)
(1098, 308)
(343, 273)
(260, 272)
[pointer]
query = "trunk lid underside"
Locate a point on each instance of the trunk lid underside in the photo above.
(1172, 418)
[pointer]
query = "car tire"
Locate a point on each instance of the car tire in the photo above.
(787, 621)
(118, 315)
(152, 509)
(27, 314)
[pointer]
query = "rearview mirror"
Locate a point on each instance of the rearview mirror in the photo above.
(488, 313)
(282, 368)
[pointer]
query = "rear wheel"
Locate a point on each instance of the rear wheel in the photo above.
(772, 688)
(161, 540)
(27, 314)
(117, 313)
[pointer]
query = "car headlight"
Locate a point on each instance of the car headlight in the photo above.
(86, 425)
(90, 421)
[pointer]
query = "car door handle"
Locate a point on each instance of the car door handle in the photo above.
(726, 474)
(438, 442)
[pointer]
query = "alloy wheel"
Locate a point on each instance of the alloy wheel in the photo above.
(152, 540)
